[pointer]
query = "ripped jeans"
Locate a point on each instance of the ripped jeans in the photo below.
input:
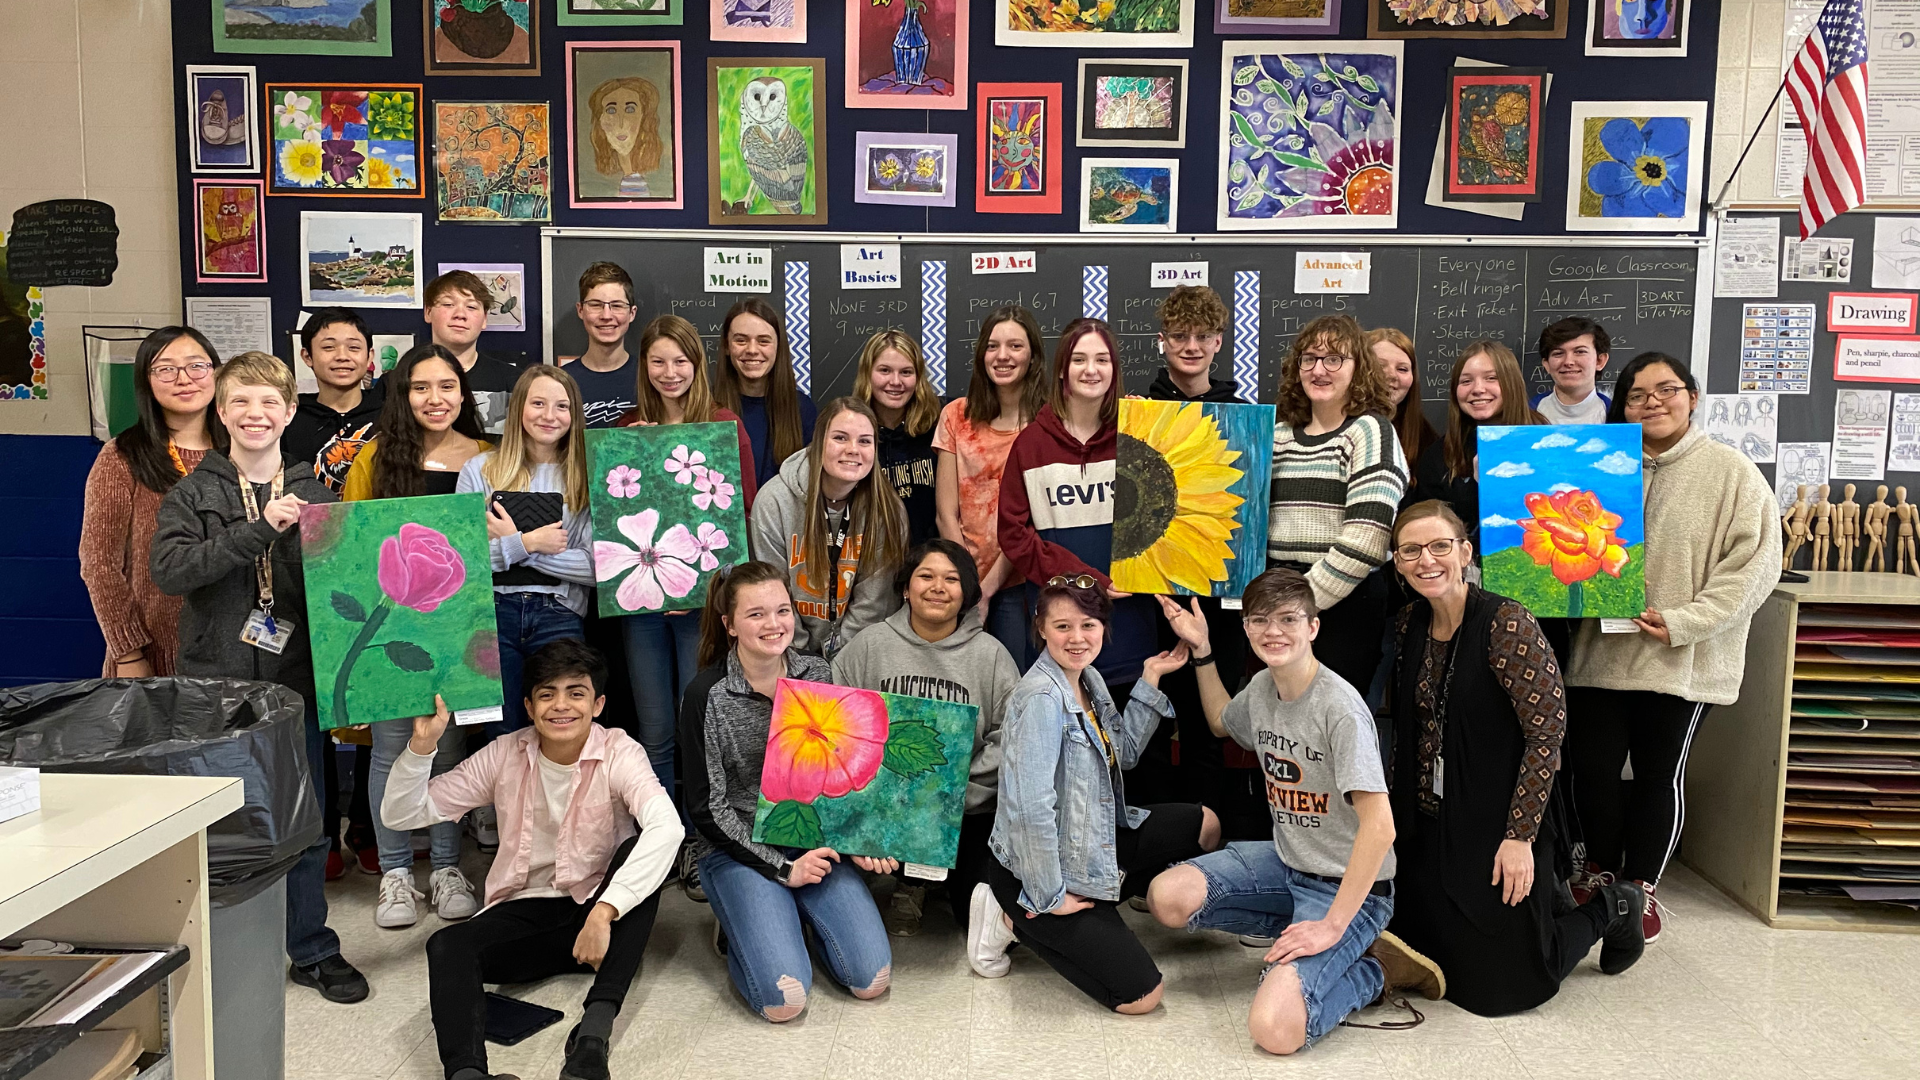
(766, 944)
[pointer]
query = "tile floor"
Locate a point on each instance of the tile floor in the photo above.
(1720, 996)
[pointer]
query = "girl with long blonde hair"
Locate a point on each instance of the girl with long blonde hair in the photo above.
(893, 382)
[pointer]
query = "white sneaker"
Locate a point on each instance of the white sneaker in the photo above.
(903, 913)
(1253, 941)
(988, 934)
(484, 827)
(452, 895)
(399, 903)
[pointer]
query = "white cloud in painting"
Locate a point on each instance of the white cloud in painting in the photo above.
(1555, 441)
(1560, 487)
(403, 157)
(1508, 469)
(1495, 521)
(1618, 463)
(1594, 445)
(1494, 434)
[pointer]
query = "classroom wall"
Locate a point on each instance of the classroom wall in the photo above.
(1748, 74)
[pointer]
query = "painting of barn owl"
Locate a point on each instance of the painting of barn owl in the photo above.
(765, 140)
(774, 150)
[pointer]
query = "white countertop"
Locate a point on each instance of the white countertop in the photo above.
(1834, 587)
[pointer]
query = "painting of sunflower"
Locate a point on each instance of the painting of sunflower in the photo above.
(1190, 505)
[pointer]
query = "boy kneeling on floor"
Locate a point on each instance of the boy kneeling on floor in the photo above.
(573, 890)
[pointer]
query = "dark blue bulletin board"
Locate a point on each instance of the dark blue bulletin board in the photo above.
(1576, 76)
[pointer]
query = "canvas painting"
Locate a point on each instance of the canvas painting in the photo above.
(360, 260)
(1632, 166)
(1292, 17)
(906, 54)
(1132, 195)
(1109, 24)
(1190, 497)
(1562, 526)
(399, 607)
(757, 20)
(766, 141)
(345, 139)
(1133, 103)
(223, 136)
(624, 101)
(904, 169)
(23, 337)
(508, 284)
(231, 240)
(387, 351)
(306, 27)
(1310, 136)
(865, 773)
(621, 12)
(492, 161)
(1492, 133)
(1467, 18)
(667, 513)
(1638, 27)
(1018, 156)
(482, 37)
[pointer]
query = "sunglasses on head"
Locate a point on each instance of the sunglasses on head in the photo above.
(1078, 581)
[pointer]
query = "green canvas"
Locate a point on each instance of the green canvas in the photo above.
(400, 608)
(667, 513)
(865, 773)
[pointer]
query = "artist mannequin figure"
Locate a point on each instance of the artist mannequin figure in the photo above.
(1822, 527)
(1794, 524)
(1847, 529)
(1876, 560)
(1904, 511)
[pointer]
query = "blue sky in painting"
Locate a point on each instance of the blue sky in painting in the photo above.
(1601, 458)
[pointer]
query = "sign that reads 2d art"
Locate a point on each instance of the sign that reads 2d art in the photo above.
(1891, 311)
(739, 270)
(1876, 358)
(869, 266)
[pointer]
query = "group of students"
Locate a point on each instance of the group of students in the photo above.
(1361, 777)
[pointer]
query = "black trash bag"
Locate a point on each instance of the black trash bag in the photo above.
(255, 731)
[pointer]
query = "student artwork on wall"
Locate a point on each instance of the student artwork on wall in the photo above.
(1129, 195)
(1108, 24)
(345, 139)
(758, 20)
(624, 101)
(865, 773)
(23, 337)
(309, 28)
(620, 12)
(1632, 166)
(667, 513)
(231, 240)
(359, 260)
(1492, 133)
(1637, 27)
(1192, 478)
(906, 54)
(492, 161)
(905, 169)
(1467, 18)
(1562, 529)
(1310, 135)
(1276, 16)
(399, 607)
(766, 141)
(223, 136)
(1017, 168)
(508, 284)
(1133, 103)
(482, 37)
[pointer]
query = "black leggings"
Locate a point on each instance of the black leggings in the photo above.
(1093, 949)
(1631, 826)
(970, 865)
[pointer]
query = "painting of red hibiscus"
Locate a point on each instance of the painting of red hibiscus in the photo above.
(1561, 524)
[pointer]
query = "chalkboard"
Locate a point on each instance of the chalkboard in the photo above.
(1444, 294)
(63, 242)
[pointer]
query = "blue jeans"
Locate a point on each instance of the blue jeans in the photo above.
(1008, 622)
(662, 655)
(527, 621)
(309, 939)
(1251, 891)
(765, 941)
(390, 738)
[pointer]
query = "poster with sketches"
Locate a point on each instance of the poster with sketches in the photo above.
(1750, 423)
(1800, 464)
(1749, 259)
(1191, 479)
(1860, 424)
(865, 773)
(1820, 258)
(1904, 453)
(1776, 348)
(667, 513)
(1896, 252)
(1562, 526)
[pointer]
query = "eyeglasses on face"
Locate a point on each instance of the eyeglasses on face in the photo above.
(1291, 622)
(612, 307)
(1440, 548)
(168, 373)
(1078, 581)
(1330, 363)
(1662, 394)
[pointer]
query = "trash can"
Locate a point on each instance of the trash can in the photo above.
(201, 727)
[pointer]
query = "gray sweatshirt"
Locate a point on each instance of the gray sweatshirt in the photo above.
(779, 520)
(966, 666)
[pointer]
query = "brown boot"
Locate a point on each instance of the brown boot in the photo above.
(1407, 970)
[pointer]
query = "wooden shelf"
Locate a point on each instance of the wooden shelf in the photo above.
(23, 1050)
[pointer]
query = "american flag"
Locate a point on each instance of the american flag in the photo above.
(1828, 85)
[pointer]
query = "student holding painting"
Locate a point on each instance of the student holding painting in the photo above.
(892, 380)
(755, 381)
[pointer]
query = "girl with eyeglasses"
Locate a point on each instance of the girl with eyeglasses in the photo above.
(1713, 556)
(174, 426)
(1487, 389)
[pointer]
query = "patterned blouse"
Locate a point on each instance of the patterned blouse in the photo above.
(1523, 663)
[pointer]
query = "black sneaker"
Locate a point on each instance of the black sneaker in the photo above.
(586, 1057)
(1626, 935)
(337, 980)
(690, 875)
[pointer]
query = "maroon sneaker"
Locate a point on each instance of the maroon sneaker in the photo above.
(1587, 880)
(336, 866)
(1650, 918)
(369, 859)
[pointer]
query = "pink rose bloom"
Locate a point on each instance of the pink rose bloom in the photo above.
(419, 569)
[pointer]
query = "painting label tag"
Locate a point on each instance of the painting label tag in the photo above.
(869, 266)
(739, 270)
(1332, 272)
(1619, 626)
(1168, 275)
(1873, 358)
(1004, 262)
(924, 872)
(490, 714)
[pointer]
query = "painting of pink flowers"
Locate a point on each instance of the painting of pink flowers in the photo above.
(865, 773)
(338, 139)
(667, 513)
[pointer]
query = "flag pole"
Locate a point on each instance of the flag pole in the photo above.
(1720, 200)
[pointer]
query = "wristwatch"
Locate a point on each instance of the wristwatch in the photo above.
(786, 871)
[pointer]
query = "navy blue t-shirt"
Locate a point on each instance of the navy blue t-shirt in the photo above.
(753, 414)
(605, 396)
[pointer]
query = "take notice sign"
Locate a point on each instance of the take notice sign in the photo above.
(1890, 312)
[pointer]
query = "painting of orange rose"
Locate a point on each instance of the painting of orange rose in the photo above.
(1561, 519)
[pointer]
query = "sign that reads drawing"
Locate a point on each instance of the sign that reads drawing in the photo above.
(1893, 311)
(1332, 272)
(869, 266)
(739, 270)
(1876, 358)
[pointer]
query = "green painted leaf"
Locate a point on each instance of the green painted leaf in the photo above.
(1245, 129)
(347, 607)
(1266, 86)
(912, 749)
(1250, 199)
(792, 824)
(1245, 75)
(1293, 69)
(1299, 162)
(407, 656)
(1367, 84)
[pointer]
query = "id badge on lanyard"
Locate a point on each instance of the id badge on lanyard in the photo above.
(262, 630)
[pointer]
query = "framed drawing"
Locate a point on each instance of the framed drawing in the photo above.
(1467, 19)
(1638, 27)
(757, 20)
(1310, 135)
(482, 37)
(1200, 471)
(1492, 133)
(1133, 103)
(1018, 148)
(492, 161)
(223, 134)
(905, 169)
(625, 113)
(231, 239)
(667, 513)
(1633, 166)
(1110, 24)
(345, 139)
(620, 12)
(359, 260)
(766, 141)
(906, 54)
(1129, 195)
(1562, 526)
(326, 28)
(507, 283)
(1298, 17)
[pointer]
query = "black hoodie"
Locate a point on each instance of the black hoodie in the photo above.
(1223, 391)
(331, 439)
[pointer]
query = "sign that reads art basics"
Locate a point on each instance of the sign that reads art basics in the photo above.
(730, 270)
(1332, 272)
(1877, 358)
(869, 266)
(1885, 312)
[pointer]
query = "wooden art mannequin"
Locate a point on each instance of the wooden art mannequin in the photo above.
(1904, 512)
(1847, 529)
(1794, 524)
(1877, 512)
(1822, 527)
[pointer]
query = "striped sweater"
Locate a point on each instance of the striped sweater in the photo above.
(1333, 501)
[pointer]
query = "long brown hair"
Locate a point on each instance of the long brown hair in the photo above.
(1367, 393)
(1063, 356)
(646, 148)
(143, 443)
(722, 587)
(1409, 419)
(875, 513)
(924, 409)
(696, 405)
(783, 394)
(396, 464)
(983, 398)
(507, 467)
(1462, 441)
